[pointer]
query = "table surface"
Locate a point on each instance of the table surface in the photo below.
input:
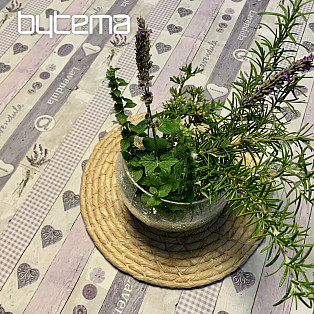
(53, 95)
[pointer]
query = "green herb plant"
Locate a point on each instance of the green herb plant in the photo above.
(247, 155)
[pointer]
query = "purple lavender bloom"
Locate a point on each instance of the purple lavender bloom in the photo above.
(309, 58)
(308, 67)
(286, 75)
(307, 63)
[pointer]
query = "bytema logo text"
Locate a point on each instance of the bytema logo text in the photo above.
(120, 21)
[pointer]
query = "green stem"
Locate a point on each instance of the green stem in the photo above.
(149, 112)
(259, 140)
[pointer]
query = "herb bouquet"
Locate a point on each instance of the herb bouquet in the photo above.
(189, 151)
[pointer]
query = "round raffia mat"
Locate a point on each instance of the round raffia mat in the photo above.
(184, 260)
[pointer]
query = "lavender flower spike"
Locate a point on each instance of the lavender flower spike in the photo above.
(143, 62)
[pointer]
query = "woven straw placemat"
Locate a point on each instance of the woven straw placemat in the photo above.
(186, 259)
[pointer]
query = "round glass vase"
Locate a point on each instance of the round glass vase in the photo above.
(193, 215)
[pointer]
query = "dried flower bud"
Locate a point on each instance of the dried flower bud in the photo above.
(194, 156)
(156, 122)
(138, 141)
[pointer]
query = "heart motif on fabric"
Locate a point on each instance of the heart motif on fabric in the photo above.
(311, 25)
(242, 280)
(289, 115)
(135, 90)
(172, 29)
(2, 311)
(303, 89)
(19, 48)
(5, 169)
(4, 67)
(184, 12)
(83, 164)
(162, 48)
(89, 49)
(154, 68)
(50, 236)
(101, 135)
(217, 91)
(309, 46)
(50, 12)
(26, 275)
(70, 200)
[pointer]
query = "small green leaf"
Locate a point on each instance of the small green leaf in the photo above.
(135, 162)
(284, 276)
(154, 201)
(146, 159)
(116, 92)
(149, 143)
(149, 163)
(121, 117)
(164, 190)
(144, 181)
(167, 126)
(161, 143)
(125, 144)
(139, 128)
(122, 82)
(166, 162)
(166, 157)
(137, 174)
(145, 198)
(129, 103)
(153, 190)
